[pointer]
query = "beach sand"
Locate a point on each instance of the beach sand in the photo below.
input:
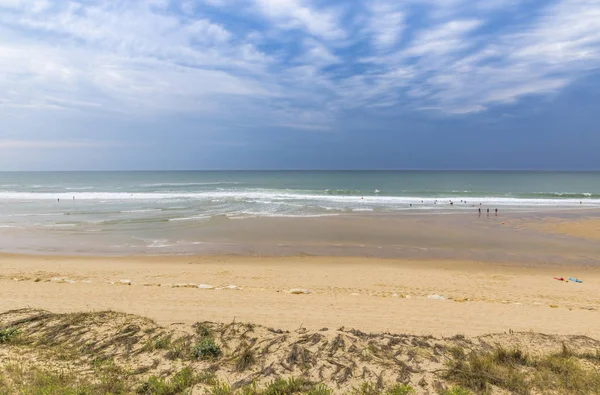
(370, 294)
(489, 279)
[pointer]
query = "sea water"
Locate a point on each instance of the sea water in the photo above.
(130, 202)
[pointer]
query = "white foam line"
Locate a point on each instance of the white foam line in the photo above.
(198, 217)
(140, 211)
(264, 196)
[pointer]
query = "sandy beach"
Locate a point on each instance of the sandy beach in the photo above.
(384, 301)
(374, 295)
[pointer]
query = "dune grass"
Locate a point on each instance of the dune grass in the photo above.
(565, 372)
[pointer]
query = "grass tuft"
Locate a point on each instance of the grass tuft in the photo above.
(400, 389)
(181, 381)
(203, 330)
(365, 389)
(245, 360)
(8, 334)
(221, 389)
(294, 386)
(456, 390)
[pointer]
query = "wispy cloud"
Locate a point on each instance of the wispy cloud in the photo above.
(299, 14)
(386, 23)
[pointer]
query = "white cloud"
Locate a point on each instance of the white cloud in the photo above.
(122, 58)
(318, 54)
(386, 23)
(448, 37)
(294, 14)
(459, 67)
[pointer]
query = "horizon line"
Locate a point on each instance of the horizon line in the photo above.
(299, 170)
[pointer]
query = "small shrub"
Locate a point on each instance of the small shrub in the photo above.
(8, 334)
(206, 348)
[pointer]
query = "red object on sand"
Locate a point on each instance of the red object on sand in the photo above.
(559, 278)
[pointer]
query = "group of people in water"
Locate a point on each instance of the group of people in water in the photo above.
(488, 212)
(465, 202)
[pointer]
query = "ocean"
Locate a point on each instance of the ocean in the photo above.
(136, 203)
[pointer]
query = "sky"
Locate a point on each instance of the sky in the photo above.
(299, 84)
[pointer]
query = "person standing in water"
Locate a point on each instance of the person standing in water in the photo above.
(496, 212)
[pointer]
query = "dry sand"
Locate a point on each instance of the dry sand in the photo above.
(373, 295)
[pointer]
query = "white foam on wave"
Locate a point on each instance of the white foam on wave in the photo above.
(59, 225)
(155, 243)
(35, 214)
(150, 210)
(196, 217)
(300, 199)
(188, 184)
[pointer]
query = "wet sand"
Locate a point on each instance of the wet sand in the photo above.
(367, 293)
(525, 238)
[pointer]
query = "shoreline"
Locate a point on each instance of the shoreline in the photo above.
(372, 294)
(557, 237)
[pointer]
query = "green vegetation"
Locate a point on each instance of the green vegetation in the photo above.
(8, 334)
(293, 386)
(456, 390)
(519, 373)
(206, 348)
(400, 389)
(221, 389)
(19, 379)
(111, 353)
(177, 384)
(203, 330)
(367, 388)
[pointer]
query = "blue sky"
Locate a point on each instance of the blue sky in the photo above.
(279, 84)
